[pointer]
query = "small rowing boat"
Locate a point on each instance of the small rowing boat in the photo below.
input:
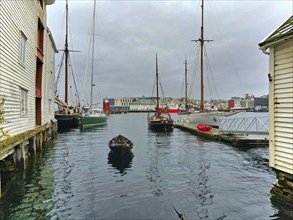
(120, 144)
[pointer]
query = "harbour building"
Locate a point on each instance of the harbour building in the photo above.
(279, 46)
(27, 63)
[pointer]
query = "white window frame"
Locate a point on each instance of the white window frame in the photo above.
(22, 47)
(23, 102)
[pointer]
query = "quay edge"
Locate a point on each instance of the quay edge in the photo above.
(14, 150)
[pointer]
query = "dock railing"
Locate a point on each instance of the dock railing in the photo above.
(245, 125)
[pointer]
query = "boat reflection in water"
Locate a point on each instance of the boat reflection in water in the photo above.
(92, 128)
(120, 162)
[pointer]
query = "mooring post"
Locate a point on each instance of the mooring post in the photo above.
(32, 146)
(284, 188)
(20, 156)
(0, 186)
(39, 141)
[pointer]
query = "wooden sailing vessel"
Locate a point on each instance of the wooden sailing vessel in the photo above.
(66, 117)
(161, 119)
(94, 116)
(209, 117)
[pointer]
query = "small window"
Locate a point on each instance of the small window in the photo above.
(22, 48)
(23, 102)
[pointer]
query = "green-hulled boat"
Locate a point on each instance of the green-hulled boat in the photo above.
(93, 117)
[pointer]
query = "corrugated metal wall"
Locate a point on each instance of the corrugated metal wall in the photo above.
(283, 106)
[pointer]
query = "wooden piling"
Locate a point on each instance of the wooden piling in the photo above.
(283, 189)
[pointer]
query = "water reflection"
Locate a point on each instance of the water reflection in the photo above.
(121, 162)
(159, 144)
(93, 128)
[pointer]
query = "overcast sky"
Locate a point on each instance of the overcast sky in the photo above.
(130, 33)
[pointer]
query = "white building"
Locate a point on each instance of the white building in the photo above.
(27, 61)
(143, 105)
(279, 46)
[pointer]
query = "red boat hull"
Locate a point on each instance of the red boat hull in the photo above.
(169, 110)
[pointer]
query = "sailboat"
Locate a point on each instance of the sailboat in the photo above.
(66, 116)
(208, 117)
(93, 116)
(161, 119)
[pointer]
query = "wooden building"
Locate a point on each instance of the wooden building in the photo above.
(27, 63)
(279, 46)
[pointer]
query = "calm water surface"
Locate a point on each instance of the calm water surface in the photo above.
(77, 178)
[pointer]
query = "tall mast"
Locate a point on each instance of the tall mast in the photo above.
(185, 83)
(66, 56)
(93, 55)
(201, 61)
(201, 40)
(157, 81)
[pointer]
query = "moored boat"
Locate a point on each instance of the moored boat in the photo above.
(67, 116)
(120, 144)
(161, 119)
(93, 117)
(212, 118)
(66, 122)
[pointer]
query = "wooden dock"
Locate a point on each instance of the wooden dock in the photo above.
(235, 139)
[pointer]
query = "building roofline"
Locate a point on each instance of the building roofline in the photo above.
(283, 32)
(52, 40)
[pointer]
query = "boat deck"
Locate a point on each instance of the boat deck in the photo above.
(234, 139)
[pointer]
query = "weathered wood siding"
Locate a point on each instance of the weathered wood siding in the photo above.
(18, 17)
(281, 106)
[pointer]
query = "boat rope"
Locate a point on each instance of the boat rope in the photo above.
(58, 81)
(74, 81)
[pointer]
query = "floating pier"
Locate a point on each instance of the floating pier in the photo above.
(235, 139)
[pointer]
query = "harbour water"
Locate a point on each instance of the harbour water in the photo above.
(75, 177)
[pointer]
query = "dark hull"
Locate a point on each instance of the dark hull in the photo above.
(120, 150)
(158, 126)
(66, 122)
(120, 145)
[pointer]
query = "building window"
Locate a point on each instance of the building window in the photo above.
(22, 48)
(23, 102)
